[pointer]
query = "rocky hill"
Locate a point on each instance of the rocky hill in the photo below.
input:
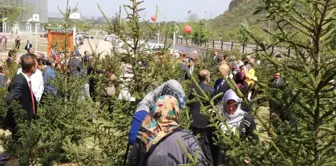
(235, 3)
(229, 22)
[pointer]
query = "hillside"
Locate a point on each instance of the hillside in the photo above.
(235, 3)
(228, 23)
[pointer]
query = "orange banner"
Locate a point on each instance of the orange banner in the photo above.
(59, 41)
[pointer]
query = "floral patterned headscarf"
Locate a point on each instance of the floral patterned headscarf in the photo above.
(162, 120)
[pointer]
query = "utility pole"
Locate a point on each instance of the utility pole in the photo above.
(176, 29)
(119, 16)
(36, 24)
(157, 18)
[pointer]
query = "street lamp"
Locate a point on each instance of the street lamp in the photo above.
(176, 29)
(36, 19)
(74, 16)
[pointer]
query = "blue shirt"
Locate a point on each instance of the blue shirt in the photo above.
(48, 75)
(3, 80)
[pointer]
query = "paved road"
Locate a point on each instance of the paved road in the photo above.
(97, 46)
(90, 45)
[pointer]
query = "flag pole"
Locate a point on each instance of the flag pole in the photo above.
(157, 17)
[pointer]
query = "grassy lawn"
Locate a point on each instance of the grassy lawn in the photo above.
(41, 47)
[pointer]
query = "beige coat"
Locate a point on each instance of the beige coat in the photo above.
(110, 89)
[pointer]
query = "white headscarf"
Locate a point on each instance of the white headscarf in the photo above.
(237, 117)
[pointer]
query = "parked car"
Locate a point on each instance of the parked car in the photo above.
(109, 37)
(44, 35)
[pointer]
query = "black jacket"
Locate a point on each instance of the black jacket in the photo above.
(19, 91)
(239, 79)
(199, 120)
(246, 128)
(219, 88)
(281, 85)
(27, 48)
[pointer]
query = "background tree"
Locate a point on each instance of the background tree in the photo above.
(91, 132)
(193, 18)
(244, 34)
(309, 138)
(199, 34)
(12, 11)
(309, 73)
(83, 26)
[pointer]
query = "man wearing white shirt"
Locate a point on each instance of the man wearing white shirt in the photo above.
(36, 80)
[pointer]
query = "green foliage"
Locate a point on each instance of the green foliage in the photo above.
(199, 34)
(307, 27)
(244, 33)
(83, 26)
(309, 72)
(11, 11)
(72, 128)
(230, 21)
(193, 18)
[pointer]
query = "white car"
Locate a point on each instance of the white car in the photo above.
(109, 37)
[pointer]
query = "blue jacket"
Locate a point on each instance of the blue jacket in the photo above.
(3, 80)
(48, 75)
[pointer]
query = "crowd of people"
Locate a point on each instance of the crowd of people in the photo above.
(155, 128)
(35, 79)
(156, 136)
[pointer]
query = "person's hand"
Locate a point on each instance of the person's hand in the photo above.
(247, 160)
(9, 81)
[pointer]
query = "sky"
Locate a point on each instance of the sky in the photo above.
(171, 10)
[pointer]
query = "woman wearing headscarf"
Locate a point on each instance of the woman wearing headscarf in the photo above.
(162, 139)
(171, 87)
(236, 119)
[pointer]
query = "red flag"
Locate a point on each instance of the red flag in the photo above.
(189, 11)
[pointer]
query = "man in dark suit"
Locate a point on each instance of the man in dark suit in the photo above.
(277, 109)
(200, 122)
(189, 69)
(221, 86)
(20, 91)
(28, 46)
